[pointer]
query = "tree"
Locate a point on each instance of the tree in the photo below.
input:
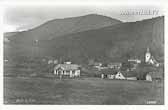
(143, 69)
(109, 71)
(126, 65)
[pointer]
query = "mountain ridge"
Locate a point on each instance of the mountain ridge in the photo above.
(116, 42)
(59, 27)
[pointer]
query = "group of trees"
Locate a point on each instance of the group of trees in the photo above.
(143, 69)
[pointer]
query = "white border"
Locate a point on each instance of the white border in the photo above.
(82, 3)
(82, 107)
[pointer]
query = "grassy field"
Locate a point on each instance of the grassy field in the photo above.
(81, 91)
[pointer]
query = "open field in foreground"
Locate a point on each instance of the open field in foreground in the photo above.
(81, 91)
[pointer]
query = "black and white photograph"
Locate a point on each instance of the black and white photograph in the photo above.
(83, 55)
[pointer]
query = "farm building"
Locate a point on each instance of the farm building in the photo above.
(111, 74)
(67, 69)
(115, 74)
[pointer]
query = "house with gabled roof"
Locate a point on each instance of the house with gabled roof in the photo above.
(67, 69)
(119, 75)
(112, 74)
(115, 74)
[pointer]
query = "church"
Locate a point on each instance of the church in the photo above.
(149, 59)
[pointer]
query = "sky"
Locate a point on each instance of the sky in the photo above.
(19, 18)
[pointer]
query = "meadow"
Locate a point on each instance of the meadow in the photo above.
(84, 91)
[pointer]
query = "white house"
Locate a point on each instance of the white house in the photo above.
(148, 77)
(134, 60)
(119, 75)
(67, 69)
(108, 76)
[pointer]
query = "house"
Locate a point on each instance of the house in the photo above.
(119, 75)
(115, 65)
(67, 69)
(108, 73)
(112, 74)
(98, 65)
(134, 60)
(108, 76)
(148, 77)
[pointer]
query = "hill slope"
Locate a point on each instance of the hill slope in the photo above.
(113, 43)
(59, 27)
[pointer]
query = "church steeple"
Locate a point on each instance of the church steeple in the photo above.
(147, 55)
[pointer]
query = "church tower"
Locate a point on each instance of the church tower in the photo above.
(147, 56)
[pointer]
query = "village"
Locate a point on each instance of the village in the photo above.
(59, 81)
(113, 70)
(91, 58)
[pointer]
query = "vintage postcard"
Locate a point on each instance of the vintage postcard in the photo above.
(83, 55)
